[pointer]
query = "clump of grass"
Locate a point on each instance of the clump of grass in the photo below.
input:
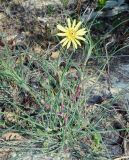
(65, 2)
(55, 114)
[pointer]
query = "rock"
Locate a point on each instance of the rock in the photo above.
(114, 150)
(96, 99)
(111, 8)
(120, 79)
(2, 16)
(39, 4)
(72, 2)
(29, 155)
(113, 3)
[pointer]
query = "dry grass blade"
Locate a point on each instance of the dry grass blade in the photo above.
(122, 158)
(12, 136)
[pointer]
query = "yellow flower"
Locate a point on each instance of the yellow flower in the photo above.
(71, 33)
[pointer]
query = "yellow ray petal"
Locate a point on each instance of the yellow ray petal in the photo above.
(78, 25)
(74, 23)
(61, 34)
(78, 42)
(80, 38)
(69, 22)
(60, 27)
(68, 45)
(65, 42)
(74, 44)
(81, 32)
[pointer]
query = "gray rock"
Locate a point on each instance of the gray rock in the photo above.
(39, 4)
(114, 150)
(31, 155)
(113, 3)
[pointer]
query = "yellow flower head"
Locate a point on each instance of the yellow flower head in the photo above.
(72, 34)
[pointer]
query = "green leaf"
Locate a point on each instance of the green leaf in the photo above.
(102, 2)
(97, 138)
